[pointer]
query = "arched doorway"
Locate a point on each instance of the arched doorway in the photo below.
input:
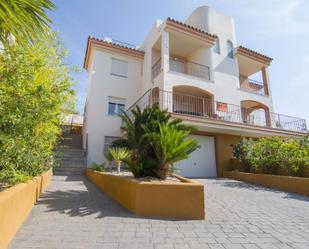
(154, 96)
(255, 113)
(193, 101)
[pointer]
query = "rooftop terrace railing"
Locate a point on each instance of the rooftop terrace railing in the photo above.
(189, 105)
(124, 44)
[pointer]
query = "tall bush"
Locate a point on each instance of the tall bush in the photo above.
(35, 89)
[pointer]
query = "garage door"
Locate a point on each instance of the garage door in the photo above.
(202, 162)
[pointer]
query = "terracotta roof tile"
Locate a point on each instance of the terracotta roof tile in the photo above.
(116, 44)
(254, 52)
(126, 49)
(190, 27)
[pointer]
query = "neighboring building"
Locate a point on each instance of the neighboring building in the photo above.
(194, 69)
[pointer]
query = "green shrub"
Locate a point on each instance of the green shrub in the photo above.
(242, 150)
(292, 157)
(98, 167)
(12, 177)
(268, 155)
(264, 155)
(35, 91)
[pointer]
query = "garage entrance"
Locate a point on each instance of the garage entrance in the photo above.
(202, 162)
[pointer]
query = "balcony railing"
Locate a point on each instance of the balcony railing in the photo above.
(190, 68)
(253, 86)
(184, 67)
(205, 108)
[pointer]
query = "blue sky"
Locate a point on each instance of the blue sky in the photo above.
(277, 28)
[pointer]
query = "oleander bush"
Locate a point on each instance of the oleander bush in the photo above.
(155, 141)
(35, 90)
(273, 155)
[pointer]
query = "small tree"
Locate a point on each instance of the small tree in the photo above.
(119, 154)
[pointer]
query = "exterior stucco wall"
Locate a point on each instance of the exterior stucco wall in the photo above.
(225, 71)
(224, 151)
(102, 86)
(223, 84)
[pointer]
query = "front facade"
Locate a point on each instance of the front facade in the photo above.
(196, 71)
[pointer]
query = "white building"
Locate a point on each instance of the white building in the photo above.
(197, 71)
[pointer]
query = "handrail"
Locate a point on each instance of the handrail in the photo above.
(134, 104)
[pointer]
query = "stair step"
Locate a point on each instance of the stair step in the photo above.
(74, 158)
(71, 155)
(69, 170)
(68, 173)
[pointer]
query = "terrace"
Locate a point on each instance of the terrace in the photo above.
(204, 107)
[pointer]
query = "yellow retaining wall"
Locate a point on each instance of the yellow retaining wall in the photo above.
(16, 203)
(181, 200)
(294, 184)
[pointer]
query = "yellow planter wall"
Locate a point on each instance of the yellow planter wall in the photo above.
(16, 203)
(298, 185)
(182, 200)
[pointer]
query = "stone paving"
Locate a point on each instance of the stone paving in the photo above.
(73, 213)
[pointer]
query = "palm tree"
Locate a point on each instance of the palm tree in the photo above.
(119, 154)
(24, 20)
(170, 145)
(142, 159)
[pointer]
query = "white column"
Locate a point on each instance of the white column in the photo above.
(166, 95)
(165, 52)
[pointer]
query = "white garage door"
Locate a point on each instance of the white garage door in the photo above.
(202, 162)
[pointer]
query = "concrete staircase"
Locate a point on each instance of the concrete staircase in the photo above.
(71, 155)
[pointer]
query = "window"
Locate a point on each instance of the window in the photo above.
(119, 68)
(216, 47)
(115, 105)
(108, 142)
(229, 47)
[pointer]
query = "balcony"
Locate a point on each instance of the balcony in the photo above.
(207, 109)
(253, 86)
(184, 67)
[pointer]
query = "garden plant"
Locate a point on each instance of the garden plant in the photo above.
(119, 155)
(272, 155)
(154, 141)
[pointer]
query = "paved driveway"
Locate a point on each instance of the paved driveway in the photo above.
(74, 214)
